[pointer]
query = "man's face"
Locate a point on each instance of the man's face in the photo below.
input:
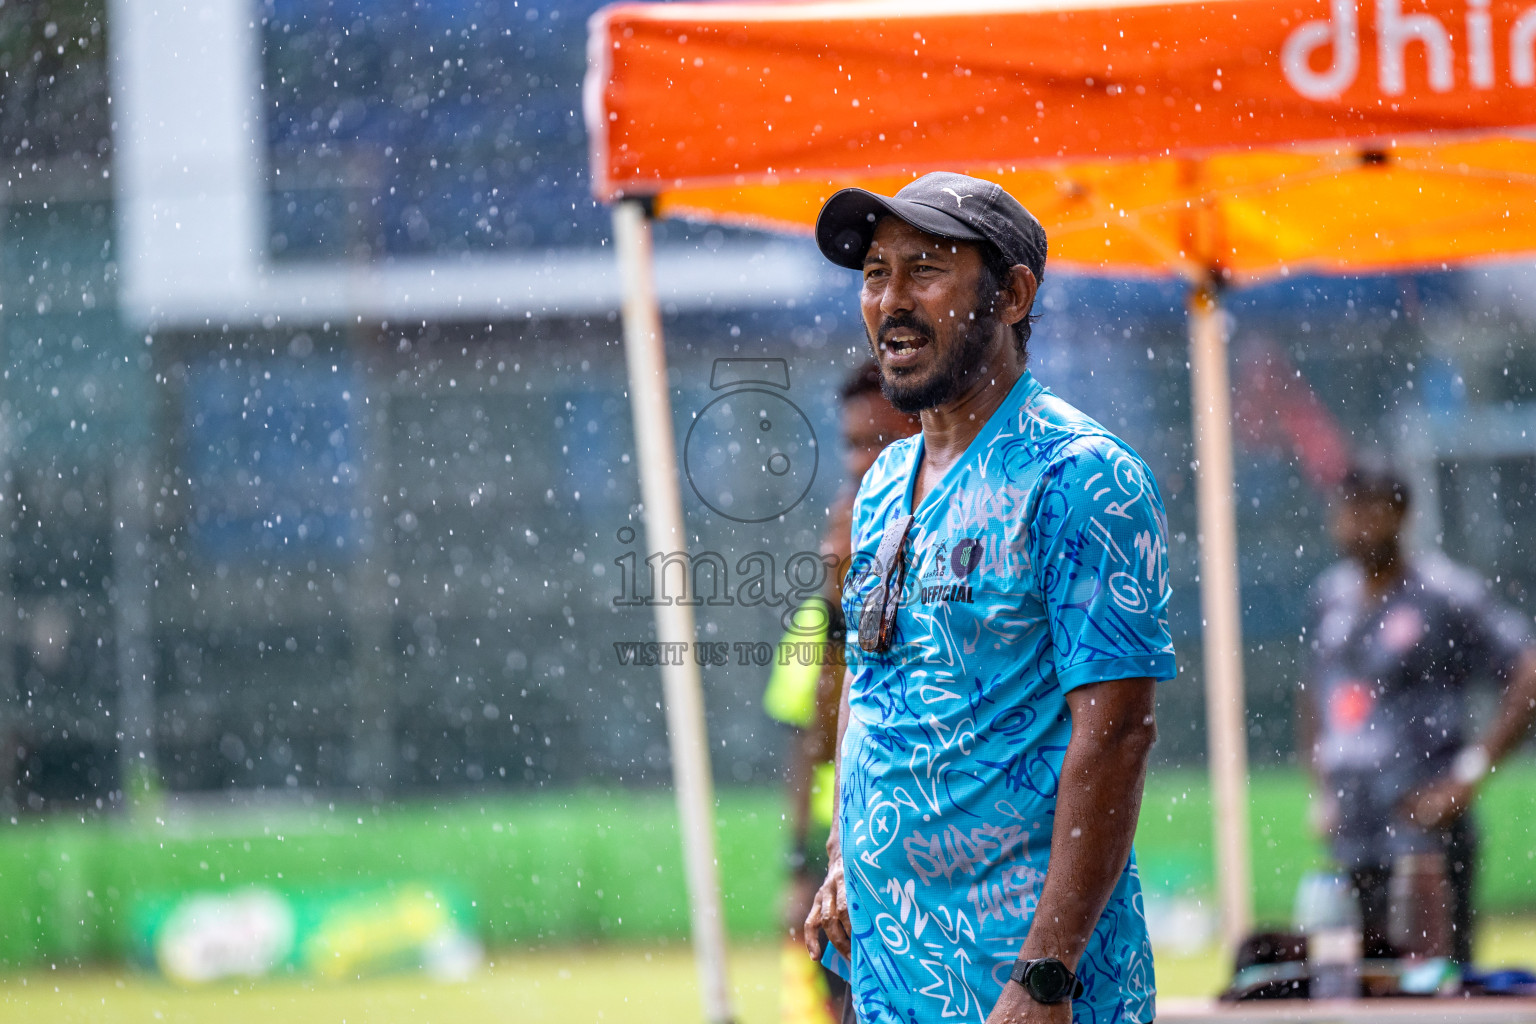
(1366, 527)
(869, 424)
(927, 329)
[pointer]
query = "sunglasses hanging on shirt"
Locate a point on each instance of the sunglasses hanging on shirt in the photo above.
(877, 621)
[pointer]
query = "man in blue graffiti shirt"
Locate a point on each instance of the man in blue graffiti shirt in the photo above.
(1007, 620)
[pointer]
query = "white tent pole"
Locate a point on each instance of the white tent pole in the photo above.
(1222, 636)
(650, 398)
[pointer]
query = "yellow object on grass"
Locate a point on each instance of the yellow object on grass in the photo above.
(360, 935)
(803, 990)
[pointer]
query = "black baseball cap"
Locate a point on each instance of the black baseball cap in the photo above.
(948, 205)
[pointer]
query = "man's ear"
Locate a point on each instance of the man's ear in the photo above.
(1017, 295)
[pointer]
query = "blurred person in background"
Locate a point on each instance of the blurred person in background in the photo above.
(806, 696)
(1395, 643)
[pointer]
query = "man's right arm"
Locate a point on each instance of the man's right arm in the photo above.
(1449, 796)
(829, 910)
(1323, 812)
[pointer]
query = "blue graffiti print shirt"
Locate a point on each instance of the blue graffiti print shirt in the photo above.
(1038, 564)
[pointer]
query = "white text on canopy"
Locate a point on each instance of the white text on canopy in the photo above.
(1395, 31)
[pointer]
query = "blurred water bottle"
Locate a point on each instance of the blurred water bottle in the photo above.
(1327, 912)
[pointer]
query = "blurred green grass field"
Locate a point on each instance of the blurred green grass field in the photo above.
(551, 869)
(611, 984)
(579, 895)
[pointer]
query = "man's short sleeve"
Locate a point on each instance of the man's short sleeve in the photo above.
(1495, 638)
(1099, 544)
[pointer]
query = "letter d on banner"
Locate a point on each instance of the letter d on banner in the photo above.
(1343, 33)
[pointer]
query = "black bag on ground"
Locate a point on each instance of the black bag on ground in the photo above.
(1270, 965)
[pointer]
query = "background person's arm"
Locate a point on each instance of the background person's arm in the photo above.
(1097, 804)
(1516, 710)
(814, 746)
(1323, 812)
(1448, 797)
(829, 910)
(802, 762)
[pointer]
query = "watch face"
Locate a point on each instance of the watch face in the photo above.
(1047, 980)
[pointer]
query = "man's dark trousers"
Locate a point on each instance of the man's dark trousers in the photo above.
(1373, 887)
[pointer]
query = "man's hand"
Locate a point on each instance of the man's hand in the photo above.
(1015, 1006)
(801, 891)
(1439, 803)
(829, 913)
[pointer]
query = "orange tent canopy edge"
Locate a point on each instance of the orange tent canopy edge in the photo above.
(1148, 137)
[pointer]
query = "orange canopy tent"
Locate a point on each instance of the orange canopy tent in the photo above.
(1222, 141)
(1251, 137)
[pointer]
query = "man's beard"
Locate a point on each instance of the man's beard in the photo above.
(948, 378)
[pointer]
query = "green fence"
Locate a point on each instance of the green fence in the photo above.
(592, 865)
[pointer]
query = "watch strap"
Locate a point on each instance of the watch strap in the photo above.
(1022, 969)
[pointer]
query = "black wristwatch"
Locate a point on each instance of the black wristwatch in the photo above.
(1047, 980)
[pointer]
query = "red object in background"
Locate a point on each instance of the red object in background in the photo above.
(1276, 405)
(1351, 705)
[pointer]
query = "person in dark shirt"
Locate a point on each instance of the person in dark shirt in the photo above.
(1395, 642)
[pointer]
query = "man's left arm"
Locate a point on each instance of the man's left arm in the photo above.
(1097, 804)
(1448, 797)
